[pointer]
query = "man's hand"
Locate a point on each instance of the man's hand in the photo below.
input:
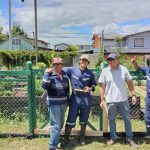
(49, 70)
(103, 104)
(134, 99)
(133, 60)
(87, 89)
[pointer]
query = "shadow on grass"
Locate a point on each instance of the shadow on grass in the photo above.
(100, 142)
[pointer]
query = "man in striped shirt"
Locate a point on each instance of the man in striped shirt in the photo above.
(56, 83)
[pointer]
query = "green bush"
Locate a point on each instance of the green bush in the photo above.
(6, 88)
(39, 90)
(40, 65)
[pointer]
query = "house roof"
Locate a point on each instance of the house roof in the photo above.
(136, 33)
(128, 50)
(62, 44)
(37, 40)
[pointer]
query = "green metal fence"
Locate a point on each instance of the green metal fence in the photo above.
(17, 101)
(23, 108)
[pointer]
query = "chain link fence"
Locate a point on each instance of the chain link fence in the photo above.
(14, 102)
(23, 105)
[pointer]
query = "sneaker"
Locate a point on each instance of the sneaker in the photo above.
(132, 143)
(111, 142)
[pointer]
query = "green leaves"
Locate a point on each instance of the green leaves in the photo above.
(13, 58)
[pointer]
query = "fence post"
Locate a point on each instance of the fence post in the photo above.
(104, 114)
(31, 99)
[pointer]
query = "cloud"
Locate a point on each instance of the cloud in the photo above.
(3, 22)
(55, 15)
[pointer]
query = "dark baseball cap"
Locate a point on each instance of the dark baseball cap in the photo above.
(112, 56)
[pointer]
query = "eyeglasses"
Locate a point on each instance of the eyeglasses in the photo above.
(57, 64)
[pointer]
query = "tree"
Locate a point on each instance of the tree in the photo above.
(3, 36)
(18, 30)
(118, 40)
(72, 48)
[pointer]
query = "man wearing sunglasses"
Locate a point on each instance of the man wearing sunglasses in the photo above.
(56, 82)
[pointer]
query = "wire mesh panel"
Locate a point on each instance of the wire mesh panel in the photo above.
(42, 109)
(42, 115)
(14, 101)
(96, 122)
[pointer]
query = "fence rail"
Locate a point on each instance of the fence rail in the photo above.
(23, 108)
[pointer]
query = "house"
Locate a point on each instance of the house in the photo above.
(83, 49)
(61, 46)
(22, 43)
(131, 45)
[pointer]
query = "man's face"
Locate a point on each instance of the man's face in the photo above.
(113, 63)
(84, 63)
(58, 66)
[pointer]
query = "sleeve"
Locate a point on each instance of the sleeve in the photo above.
(67, 70)
(93, 81)
(128, 77)
(46, 80)
(102, 78)
(143, 68)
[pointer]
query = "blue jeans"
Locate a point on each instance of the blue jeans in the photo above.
(124, 110)
(57, 115)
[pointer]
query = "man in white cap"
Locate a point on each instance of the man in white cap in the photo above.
(83, 82)
(56, 82)
(113, 80)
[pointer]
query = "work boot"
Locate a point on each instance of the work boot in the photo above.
(66, 137)
(82, 134)
(147, 138)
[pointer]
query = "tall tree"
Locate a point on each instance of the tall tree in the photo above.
(3, 36)
(18, 30)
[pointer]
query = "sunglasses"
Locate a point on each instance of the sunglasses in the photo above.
(57, 64)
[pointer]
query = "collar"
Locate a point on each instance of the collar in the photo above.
(55, 74)
(118, 67)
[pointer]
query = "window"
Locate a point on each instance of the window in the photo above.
(16, 41)
(139, 42)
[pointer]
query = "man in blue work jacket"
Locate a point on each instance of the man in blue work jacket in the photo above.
(146, 70)
(56, 82)
(83, 83)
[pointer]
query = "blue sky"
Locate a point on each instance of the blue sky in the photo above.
(74, 22)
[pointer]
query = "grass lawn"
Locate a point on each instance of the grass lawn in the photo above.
(42, 144)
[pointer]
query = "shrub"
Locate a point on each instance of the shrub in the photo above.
(40, 65)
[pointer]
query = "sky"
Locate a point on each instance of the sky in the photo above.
(75, 21)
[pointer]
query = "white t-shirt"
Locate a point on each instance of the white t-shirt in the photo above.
(115, 83)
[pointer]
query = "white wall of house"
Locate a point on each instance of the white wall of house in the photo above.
(109, 42)
(130, 40)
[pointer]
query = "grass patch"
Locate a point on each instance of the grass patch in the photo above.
(92, 144)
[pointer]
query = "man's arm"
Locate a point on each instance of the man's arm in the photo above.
(103, 104)
(102, 94)
(46, 80)
(134, 62)
(131, 89)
